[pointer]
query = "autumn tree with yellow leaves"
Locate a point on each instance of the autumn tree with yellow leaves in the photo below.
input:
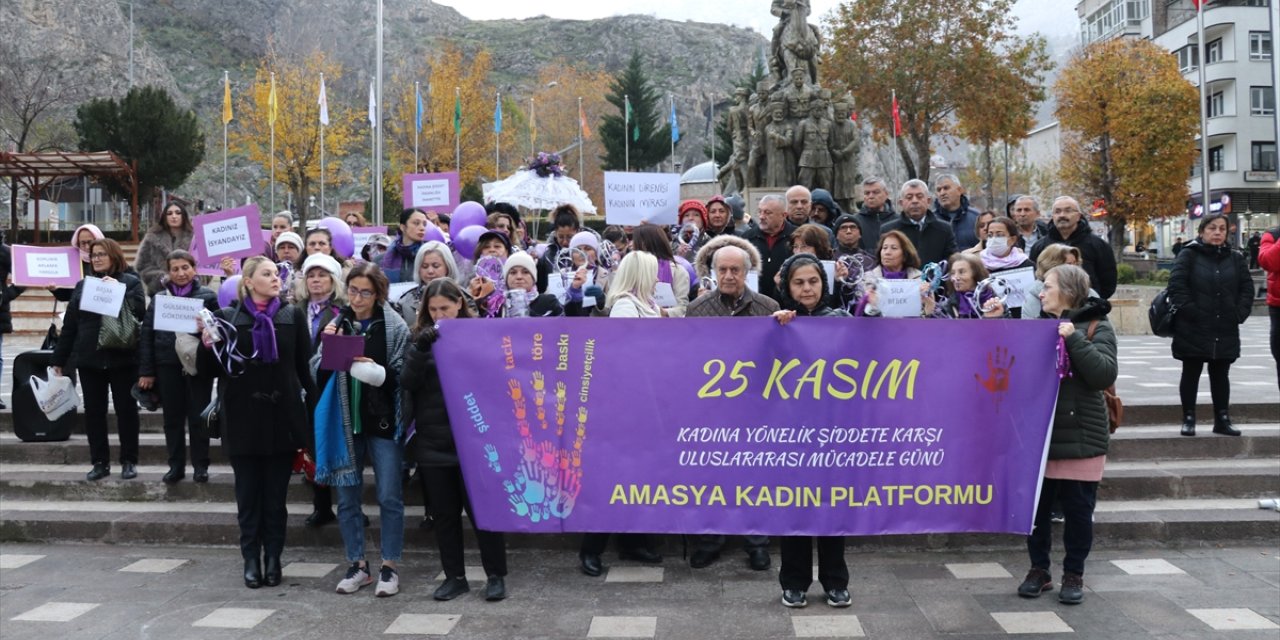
(297, 124)
(560, 84)
(1129, 122)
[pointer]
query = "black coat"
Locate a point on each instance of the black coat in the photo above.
(264, 411)
(963, 221)
(1095, 256)
(770, 259)
(870, 222)
(78, 343)
(422, 401)
(156, 348)
(1213, 290)
(934, 241)
(7, 291)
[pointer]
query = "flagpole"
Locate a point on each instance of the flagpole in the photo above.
(457, 131)
(497, 136)
(533, 128)
(673, 134)
(893, 126)
(417, 118)
(226, 82)
(322, 127)
(377, 129)
(1204, 115)
(271, 107)
(714, 168)
(626, 130)
(581, 144)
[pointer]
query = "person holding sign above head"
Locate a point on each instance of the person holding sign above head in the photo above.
(261, 357)
(433, 448)
(397, 262)
(804, 293)
(172, 230)
(898, 261)
(103, 366)
(367, 425)
(672, 291)
(183, 394)
(1080, 433)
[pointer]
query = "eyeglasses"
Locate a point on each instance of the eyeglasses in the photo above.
(95, 256)
(362, 294)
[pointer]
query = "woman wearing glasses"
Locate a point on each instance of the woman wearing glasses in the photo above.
(171, 231)
(101, 368)
(369, 426)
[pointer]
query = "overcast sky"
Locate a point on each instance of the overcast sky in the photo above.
(1051, 17)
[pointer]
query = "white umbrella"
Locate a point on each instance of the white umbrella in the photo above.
(527, 189)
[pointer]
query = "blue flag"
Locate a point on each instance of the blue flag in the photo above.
(418, 95)
(497, 115)
(675, 126)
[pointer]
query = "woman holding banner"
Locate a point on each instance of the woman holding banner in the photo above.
(363, 421)
(183, 393)
(1052, 256)
(397, 262)
(804, 293)
(433, 448)
(521, 299)
(102, 368)
(171, 231)
(963, 300)
(261, 358)
(1080, 436)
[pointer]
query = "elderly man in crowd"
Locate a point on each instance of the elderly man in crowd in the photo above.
(772, 238)
(876, 211)
(952, 207)
(1026, 213)
(731, 297)
(933, 239)
(1070, 227)
(799, 205)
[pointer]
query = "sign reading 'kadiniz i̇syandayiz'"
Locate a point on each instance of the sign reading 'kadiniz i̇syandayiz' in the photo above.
(825, 426)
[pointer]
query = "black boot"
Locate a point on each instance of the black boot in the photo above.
(252, 573)
(271, 573)
(1189, 422)
(1222, 424)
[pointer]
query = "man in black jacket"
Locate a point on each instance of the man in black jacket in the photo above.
(1025, 211)
(1070, 227)
(877, 211)
(932, 238)
(772, 238)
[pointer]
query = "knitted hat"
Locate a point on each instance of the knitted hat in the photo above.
(291, 238)
(847, 218)
(324, 262)
(520, 259)
(585, 238)
(694, 205)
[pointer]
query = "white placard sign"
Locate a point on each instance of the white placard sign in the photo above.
(47, 265)
(176, 314)
(398, 289)
(830, 267)
(558, 286)
(229, 236)
(899, 298)
(665, 295)
(635, 198)
(1020, 281)
(102, 297)
(431, 193)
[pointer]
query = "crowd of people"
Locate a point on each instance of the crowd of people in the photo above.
(797, 254)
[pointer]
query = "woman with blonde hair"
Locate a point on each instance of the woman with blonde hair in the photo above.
(1052, 256)
(631, 292)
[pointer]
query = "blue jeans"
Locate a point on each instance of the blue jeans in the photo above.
(387, 456)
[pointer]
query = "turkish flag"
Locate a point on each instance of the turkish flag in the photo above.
(1198, 4)
(897, 118)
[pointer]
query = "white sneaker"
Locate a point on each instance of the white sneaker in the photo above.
(388, 582)
(357, 577)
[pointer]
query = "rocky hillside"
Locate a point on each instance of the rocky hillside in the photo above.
(184, 45)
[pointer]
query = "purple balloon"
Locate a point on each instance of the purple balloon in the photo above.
(344, 242)
(693, 272)
(434, 233)
(229, 291)
(468, 214)
(465, 241)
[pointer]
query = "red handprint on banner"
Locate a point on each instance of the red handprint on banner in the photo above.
(999, 362)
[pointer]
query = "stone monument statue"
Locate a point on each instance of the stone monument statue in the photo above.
(813, 140)
(844, 154)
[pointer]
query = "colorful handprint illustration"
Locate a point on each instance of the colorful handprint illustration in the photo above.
(548, 478)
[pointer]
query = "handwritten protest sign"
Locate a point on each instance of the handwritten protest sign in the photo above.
(361, 236)
(102, 297)
(438, 191)
(233, 233)
(633, 198)
(899, 298)
(1020, 282)
(176, 314)
(44, 266)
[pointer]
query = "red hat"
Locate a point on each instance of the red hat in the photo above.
(695, 205)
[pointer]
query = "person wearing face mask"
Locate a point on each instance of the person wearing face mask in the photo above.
(1001, 252)
(397, 262)
(980, 228)
(182, 395)
(171, 231)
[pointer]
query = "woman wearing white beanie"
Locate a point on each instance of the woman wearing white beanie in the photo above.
(518, 296)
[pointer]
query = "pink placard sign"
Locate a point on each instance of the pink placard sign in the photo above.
(44, 266)
(234, 233)
(439, 191)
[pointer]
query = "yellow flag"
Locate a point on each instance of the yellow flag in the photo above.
(226, 99)
(271, 102)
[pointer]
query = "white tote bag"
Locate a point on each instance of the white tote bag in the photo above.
(55, 397)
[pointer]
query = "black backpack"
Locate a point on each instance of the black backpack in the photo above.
(1162, 314)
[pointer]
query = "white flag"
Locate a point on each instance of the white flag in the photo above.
(324, 104)
(373, 108)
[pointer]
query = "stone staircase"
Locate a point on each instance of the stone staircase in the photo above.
(1160, 489)
(33, 310)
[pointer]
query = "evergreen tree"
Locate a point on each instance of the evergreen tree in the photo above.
(147, 127)
(649, 131)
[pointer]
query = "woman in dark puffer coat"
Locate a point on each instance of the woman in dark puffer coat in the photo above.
(1211, 286)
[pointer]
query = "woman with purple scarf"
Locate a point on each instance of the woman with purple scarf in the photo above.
(262, 360)
(397, 262)
(183, 395)
(963, 299)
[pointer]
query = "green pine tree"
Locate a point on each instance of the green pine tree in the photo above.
(650, 130)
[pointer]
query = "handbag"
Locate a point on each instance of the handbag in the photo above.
(120, 332)
(1161, 314)
(211, 418)
(51, 336)
(1115, 406)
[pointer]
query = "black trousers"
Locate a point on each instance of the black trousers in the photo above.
(95, 383)
(1077, 499)
(447, 497)
(796, 572)
(1219, 384)
(182, 398)
(1275, 338)
(596, 543)
(262, 485)
(715, 542)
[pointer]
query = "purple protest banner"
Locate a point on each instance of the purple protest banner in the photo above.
(44, 266)
(232, 233)
(439, 191)
(826, 426)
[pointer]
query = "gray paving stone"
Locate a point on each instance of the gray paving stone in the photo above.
(956, 614)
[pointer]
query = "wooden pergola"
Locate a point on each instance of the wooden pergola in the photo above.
(36, 170)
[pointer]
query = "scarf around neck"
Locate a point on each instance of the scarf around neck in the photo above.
(1013, 259)
(264, 332)
(181, 292)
